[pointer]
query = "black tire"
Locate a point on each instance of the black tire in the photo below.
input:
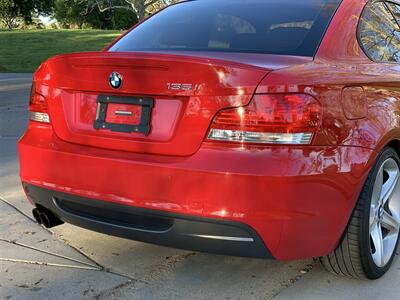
(353, 257)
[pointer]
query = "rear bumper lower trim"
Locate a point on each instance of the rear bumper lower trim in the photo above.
(156, 227)
(224, 238)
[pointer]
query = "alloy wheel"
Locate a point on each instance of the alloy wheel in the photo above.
(384, 219)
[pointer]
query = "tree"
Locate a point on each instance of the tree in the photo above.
(69, 12)
(8, 13)
(83, 13)
(139, 7)
(11, 11)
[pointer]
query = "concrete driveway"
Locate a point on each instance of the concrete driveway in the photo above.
(72, 263)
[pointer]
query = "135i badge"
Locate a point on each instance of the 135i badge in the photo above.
(182, 86)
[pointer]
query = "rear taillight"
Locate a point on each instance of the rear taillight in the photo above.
(269, 119)
(38, 107)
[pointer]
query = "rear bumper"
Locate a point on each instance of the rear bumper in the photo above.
(297, 200)
(157, 227)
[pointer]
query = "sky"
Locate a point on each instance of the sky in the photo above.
(45, 20)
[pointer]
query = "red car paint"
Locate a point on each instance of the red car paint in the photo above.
(297, 198)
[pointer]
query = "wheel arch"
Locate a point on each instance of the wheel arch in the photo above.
(393, 143)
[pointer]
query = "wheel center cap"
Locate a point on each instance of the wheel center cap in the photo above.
(380, 213)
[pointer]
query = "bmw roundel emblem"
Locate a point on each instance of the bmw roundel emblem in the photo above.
(115, 80)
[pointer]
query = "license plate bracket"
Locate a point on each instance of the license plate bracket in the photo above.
(146, 104)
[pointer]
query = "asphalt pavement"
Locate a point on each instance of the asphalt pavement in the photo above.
(73, 263)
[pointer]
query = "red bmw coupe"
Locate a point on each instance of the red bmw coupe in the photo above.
(258, 128)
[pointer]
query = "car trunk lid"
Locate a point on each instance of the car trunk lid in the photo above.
(185, 93)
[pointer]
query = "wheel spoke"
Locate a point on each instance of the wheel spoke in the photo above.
(389, 222)
(389, 186)
(377, 239)
(377, 190)
(372, 223)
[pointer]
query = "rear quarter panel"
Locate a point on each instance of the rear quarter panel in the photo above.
(340, 63)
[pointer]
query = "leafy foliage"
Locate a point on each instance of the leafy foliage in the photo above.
(13, 12)
(97, 14)
(139, 7)
(80, 14)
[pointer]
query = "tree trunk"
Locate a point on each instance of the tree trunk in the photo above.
(140, 8)
(10, 22)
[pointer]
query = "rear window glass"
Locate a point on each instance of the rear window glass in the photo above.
(289, 27)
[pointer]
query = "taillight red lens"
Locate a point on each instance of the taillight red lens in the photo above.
(269, 119)
(37, 102)
(38, 106)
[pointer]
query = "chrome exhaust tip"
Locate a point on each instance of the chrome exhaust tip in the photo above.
(45, 217)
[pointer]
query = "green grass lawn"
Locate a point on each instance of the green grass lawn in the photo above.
(25, 50)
